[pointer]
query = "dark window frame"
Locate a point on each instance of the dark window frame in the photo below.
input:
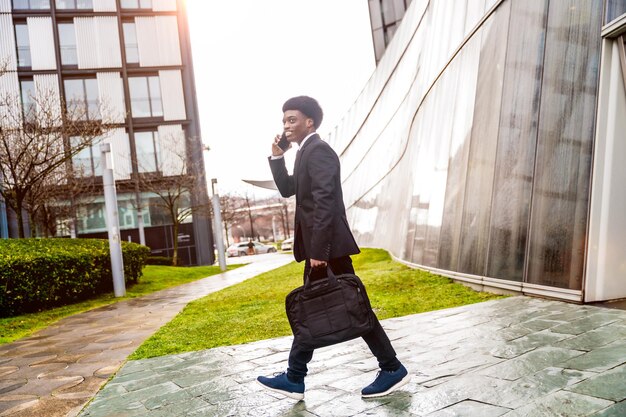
(85, 100)
(18, 48)
(128, 46)
(149, 99)
(67, 22)
(30, 5)
(155, 148)
(28, 114)
(141, 5)
(75, 3)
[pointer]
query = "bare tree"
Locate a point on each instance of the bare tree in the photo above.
(39, 135)
(173, 184)
(249, 212)
(58, 199)
(229, 204)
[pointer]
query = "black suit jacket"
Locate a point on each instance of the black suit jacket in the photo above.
(321, 228)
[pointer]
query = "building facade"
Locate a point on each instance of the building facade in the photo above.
(385, 17)
(128, 61)
(487, 146)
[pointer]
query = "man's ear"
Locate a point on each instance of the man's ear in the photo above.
(309, 123)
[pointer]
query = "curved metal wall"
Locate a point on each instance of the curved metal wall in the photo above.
(469, 150)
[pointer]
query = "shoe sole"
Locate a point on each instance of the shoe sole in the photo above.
(401, 383)
(293, 395)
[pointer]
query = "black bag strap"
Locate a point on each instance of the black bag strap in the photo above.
(332, 278)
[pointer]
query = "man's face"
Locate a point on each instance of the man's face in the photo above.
(296, 125)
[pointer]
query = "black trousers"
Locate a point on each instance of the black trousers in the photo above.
(376, 340)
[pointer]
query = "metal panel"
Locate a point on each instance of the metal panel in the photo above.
(172, 150)
(147, 41)
(104, 6)
(522, 100)
(48, 98)
(5, 6)
(41, 43)
(108, 42)
(484, 137)
(111, 97)
(607, 240)
(8, 55)
(172, 95)
(158, 41)
(564, 145)
(163, 5)
(168, 42)
(122, 167)
(10, 95)
(517, 141)
(86, 42)
(97, 42)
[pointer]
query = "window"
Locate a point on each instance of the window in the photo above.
(86, 162)
(28, 100)
(81, 98)
(136, 4)
(74, 4)
(23, 45)
(130, 43)
(614, 9)
(91, 218)
(148, 153)
(145, 96)
(67, 40)
(31, 4)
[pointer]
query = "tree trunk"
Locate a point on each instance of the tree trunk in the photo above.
(20, 218)
(251, 222)
(175, 254)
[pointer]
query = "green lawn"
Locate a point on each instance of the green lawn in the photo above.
(255, 310)
(154, 278)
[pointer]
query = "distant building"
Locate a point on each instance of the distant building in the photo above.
(134, 56)
(488, 145)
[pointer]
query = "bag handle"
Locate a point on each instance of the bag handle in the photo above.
(332, 278)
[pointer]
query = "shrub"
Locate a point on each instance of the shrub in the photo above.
(36, 274)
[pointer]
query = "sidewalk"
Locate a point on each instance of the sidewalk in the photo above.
(512, 357)
(56, 371)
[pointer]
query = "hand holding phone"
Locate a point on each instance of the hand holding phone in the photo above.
(283, 143)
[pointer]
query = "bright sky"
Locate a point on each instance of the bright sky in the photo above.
(251, 55)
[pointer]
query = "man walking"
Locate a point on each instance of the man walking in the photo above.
(322, 238)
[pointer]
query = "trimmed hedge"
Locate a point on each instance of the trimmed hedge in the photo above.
(37, 274)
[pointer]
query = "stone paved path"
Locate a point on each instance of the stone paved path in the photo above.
(512, 357)
(56, 371)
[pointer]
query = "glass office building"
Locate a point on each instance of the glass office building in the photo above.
(487, 146)
(134, 57)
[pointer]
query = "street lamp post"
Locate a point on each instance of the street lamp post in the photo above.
(112, 220)
(217, 226)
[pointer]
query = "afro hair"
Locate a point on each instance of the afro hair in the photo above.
(307, 106)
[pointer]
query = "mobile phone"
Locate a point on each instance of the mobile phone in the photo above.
(283, 143)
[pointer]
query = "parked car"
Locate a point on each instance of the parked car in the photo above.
(241, 249)
(287, 244)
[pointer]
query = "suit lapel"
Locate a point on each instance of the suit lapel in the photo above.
(299, 154)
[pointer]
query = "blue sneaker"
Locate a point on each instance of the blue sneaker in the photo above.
(282, 385)
(386, 382)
